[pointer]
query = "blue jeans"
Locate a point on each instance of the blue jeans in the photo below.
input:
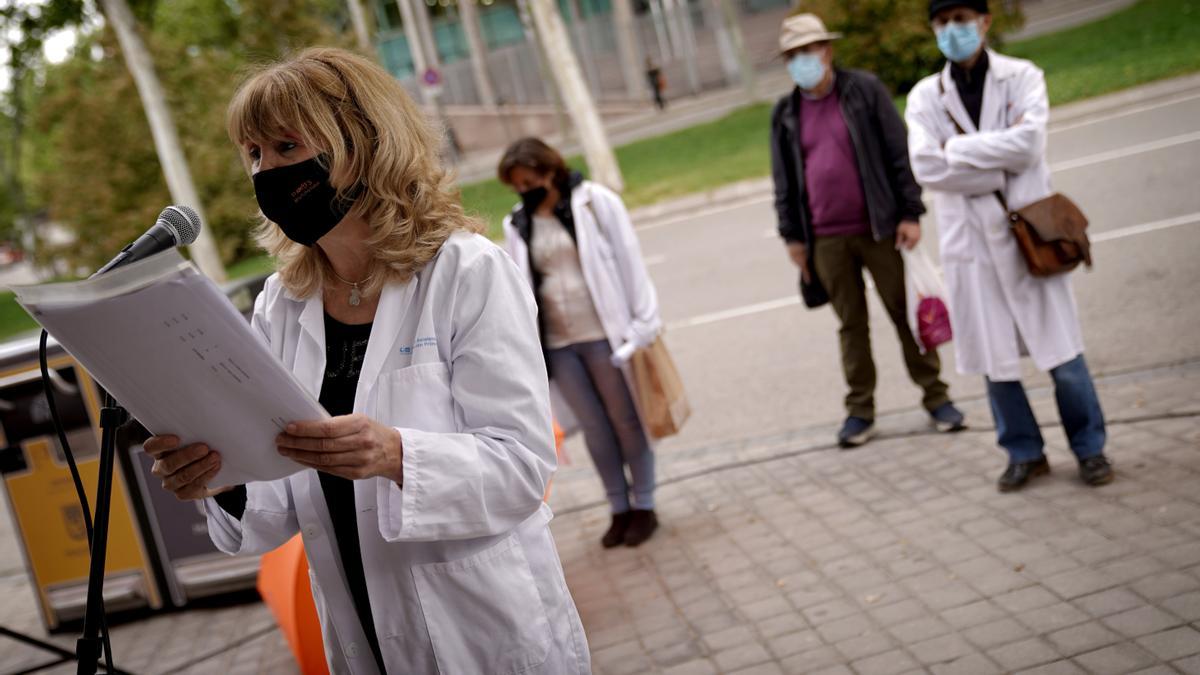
(1078, 406)
(599, 397)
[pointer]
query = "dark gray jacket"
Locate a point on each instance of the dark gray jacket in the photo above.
(880, 144)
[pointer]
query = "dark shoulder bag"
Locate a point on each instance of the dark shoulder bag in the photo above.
(1051, 233)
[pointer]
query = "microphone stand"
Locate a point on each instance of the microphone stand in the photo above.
(89, 646)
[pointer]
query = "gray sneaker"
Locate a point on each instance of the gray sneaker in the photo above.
(855, 432)
(947, 418)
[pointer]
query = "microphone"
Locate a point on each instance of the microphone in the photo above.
(176, 226)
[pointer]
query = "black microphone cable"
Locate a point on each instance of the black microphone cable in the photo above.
(48, 389)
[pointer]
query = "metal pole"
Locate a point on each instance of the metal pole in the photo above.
(468, 14)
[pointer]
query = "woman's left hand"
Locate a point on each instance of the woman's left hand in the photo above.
(351, 446)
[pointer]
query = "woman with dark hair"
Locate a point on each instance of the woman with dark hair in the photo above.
(596, 306)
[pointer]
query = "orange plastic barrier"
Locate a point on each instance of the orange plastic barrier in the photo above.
(283, 584)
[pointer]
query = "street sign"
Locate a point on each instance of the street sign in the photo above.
(431, 77)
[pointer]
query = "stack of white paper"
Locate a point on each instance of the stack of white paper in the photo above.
(172, 349)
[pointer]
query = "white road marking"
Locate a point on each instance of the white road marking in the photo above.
(780, 303)
(1145, 228)
(1125, 112)
(1065, 165)
(1120, 153)
(736, 312)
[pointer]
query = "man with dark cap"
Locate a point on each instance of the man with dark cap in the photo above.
(977, 140)
(846, 200)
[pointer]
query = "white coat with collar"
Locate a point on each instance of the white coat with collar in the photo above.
(460, 565)
(612, 264)
(998, 309)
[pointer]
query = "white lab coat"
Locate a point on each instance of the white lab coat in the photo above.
(998, 310)
(613, 268)
(460, 565)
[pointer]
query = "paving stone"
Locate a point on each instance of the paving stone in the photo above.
(1048, 619)
(793, 643)
(1026, 599)
(813, 660)
(1186, 606)
(728, 638)
(845, 628)
(1024, 654)
(1115, 660)
(918, 630)
(1141, 621)
(781, 625)
(941, 649)
(863, 646)
(1172, 644)
(888, 663)
(684, 651)
(1084, 638)
(1167, 585)
(897, 612)
(741, 657)
(1055, 668)
(971, 664)
(1190, 665)
(974, 614)
(695, 667)
(997, 633)
(1105, 603)
(761, 669)
(1075, 583)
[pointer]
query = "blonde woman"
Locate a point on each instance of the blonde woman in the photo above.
(421, 510)
(576, 246)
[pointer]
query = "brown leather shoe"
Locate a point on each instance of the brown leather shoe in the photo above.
(641, 526)
(616, 531)
(1017, 475)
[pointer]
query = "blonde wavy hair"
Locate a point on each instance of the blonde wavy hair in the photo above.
(371, 133)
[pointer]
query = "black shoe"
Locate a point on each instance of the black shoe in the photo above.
(616, 532)
(641, 526)
(1096, 470)
(1017, 475)
(855, 431)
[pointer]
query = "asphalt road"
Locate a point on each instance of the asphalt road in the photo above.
(755, 362)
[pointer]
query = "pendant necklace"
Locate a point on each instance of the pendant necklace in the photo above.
(355, 294)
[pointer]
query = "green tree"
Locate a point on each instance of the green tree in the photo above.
(99, 174)
(892, 38)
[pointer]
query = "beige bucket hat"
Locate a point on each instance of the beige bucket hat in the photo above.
(801, 30)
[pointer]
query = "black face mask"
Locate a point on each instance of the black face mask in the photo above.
(531, 199)
(299, 199)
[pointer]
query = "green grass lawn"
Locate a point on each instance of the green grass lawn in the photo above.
(1151, 40)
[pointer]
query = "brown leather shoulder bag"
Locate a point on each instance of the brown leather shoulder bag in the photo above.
(1051, 233)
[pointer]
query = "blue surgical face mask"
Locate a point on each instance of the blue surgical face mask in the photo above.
(959, 41)
(807, 70)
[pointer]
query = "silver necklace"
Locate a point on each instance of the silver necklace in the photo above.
(355, 294)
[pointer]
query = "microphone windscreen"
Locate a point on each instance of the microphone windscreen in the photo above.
(184, 223)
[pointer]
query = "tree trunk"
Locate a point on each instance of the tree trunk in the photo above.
(359, 18)
(629, 50)
(469, 15)
(581, 107)
(162, 128)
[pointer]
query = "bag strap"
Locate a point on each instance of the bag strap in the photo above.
(960, 131)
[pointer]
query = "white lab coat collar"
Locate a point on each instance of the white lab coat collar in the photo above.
(991, 117)
(393, 305)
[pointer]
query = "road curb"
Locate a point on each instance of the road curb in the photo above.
(1079, 112)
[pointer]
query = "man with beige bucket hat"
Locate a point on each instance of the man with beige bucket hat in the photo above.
(846, 199)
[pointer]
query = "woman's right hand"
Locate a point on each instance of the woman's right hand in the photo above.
(184, 471)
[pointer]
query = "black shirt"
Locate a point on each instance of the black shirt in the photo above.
(970, 85)
(345, 348)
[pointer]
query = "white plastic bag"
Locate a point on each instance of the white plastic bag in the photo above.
(926, 301)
